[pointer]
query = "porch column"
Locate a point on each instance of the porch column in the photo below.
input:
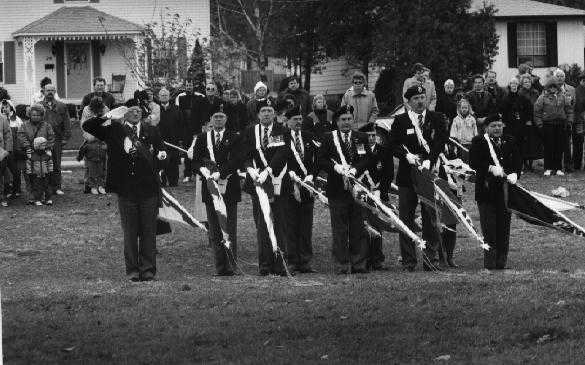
(30, 76)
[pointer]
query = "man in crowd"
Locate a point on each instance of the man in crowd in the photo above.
(266, 152)
(57, 115)
(496, 161)
(132, 175)
(346, 152)
(299, 227)
(217, 155)
(300, 95)
(417, 137)
(579, 123)
(480, 100)
(185, 103)
(362, 101)
(569, 92)
(170, 126)
(99, 87)
(418, 79)
(496, 92)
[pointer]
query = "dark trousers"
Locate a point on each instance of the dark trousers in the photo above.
(138, 217)
(15, 168)
(96, 173)
(57, 151)
(268, 261)
(170, 172)
(188, 170)
(3, 165)
(448, 240)
(554, 139)
(225, 261)
(350, 244)
(40, 187)
(495, 226)
(407, 202)
(299, 233)
(567, 150)
(578, 140)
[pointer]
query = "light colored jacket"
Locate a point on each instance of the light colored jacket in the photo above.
(6, 142)
(552, 109)
(365, 107)
(430, 91)
(463, 128)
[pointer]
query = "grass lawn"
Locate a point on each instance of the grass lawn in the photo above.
(65, 299)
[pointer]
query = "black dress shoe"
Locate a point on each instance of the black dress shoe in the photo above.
(263, 272)
(133, 277)
(359, 271)
(225, 273)
(409, 269)
(307, 270)
(380, 267)
(452, 263)
(341, 271)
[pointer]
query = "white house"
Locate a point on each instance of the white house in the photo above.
(72, 41)
(546, 35)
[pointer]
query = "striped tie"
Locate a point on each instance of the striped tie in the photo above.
(298, 145)
(348, 146)
(265, 138)
(217, 141)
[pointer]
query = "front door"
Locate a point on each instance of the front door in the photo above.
(78, 67)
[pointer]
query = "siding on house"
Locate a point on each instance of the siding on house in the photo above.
(23, 12)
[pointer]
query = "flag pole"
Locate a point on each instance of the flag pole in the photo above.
(175, 147)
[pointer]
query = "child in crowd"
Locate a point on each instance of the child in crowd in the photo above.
(36, 137)
(93, 152)
(464, 126)
(15, 162)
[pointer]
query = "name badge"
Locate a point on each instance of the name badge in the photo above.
(361, 150)
(275, 141)
(410, 131)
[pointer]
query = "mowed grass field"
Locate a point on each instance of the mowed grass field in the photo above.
(65, 299)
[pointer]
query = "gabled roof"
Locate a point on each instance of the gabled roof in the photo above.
(78, 20)
(527, 8)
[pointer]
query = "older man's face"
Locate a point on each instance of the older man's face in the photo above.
(266, 115)
(164, 96)
(418, 103)
(133, 115)
(294, 123)
(99, 87)
(491, 78)
(218, 121)
(478, 84)
(50, 91)
(345, 122)
(495, 129)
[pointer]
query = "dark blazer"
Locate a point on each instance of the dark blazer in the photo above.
(131, 177)
(171, 124)
(402, 134)
(310, 150)
(328, 151)
(489, 188)
(276, 156)
(381, 170)
(227, 161)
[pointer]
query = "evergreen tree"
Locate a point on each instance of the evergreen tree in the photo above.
(196, 71)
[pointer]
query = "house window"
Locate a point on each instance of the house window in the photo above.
(531, 38)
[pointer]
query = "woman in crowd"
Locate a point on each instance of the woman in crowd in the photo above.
(320, 120)
(15, 162)
(516, 111)
(235, 109)
(532, 148)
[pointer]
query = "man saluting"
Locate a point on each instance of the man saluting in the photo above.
(345, 152)
(417, 137)
(217, 154)
(266, 152)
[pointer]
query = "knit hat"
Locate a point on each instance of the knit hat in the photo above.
(260, 84)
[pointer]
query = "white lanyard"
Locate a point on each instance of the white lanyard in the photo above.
(420, 137)
(338, 147)
(298, 157)
(258, 145)
(210, 146)
(492, 151)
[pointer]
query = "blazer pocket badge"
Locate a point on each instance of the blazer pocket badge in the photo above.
(276, 141)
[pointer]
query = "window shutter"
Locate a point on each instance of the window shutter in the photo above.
(94, 1)
(512, 46)
(96, 58)
(9, 63)
(551, 44)
(58, 1)
(60, 61)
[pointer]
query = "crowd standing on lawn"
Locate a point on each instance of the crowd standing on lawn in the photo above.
(286, 146)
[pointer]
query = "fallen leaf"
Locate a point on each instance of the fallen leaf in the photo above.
(343, 318)
(68, 349)
(443, 358)
(561, 303)
(324, 357)
(543, 339)
(266, 343)
(308, 300)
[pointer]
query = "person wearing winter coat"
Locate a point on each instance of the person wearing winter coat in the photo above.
(363, 101)
(235, 109)
(320, 120)
(553, 115)
(464, 126)
(516, 111)
(15, 160)
(260, 94)
(6, 151)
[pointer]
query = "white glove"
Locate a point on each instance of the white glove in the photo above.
(253, 173)
(215, 176)
(49, 153)
(340, 169)
(204, 171)
(190, 153)
(161, 155)
(308, 178)
(292, 174)
(262, 177)
(352, 171)
(376, 193)
(496, 171)
(411, 158)
(512, 178)
(426, 164)
(117, 113)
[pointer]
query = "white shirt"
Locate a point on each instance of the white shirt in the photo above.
(262, 131)
(414, 116)
(343, 135)
(220, 135)
(137, 127)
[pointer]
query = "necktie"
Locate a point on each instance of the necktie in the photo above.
(497, 142)
(420, 120)
(135, 130)
(134, 138)
(265, 138)
(348, 146)
(298, 145)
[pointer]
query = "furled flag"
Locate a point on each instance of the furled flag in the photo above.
(172, 211)
(534, 210)
(219, 206)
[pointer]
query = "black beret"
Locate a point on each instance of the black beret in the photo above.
(367, 128)
(414, 90)
(281, 106)
(264, 102)
(492, 118)
(219, 108)
(293, 112)
(345, 109)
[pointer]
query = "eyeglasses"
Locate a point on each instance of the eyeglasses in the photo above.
(210, 89)
(358, 82)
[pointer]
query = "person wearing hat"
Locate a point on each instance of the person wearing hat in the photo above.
(579, 124)
(553, 115)
(418, 79)
(416, 138)
(260, 93)
(266, 152)
(377, 177)
(301, 164)
(496, 160)
(345, 152)
(217, 154)
(171, 131)
(134, 147)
